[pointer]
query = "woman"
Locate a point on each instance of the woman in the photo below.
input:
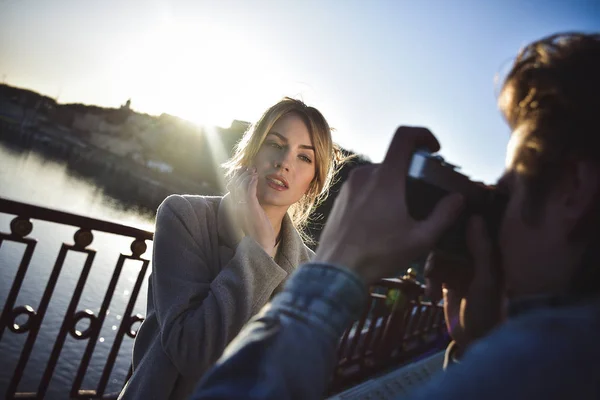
(218, 260)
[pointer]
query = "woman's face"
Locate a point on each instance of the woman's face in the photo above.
(285, 163)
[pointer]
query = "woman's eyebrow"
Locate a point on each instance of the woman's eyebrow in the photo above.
(279, 135)
(284, 139)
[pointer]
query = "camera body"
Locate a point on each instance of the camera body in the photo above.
(430, 178)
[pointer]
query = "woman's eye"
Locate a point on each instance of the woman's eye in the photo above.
(306, 159)
(275, 145)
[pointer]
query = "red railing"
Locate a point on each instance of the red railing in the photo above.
(395, 328)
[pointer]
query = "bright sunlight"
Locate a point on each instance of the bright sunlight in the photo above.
(203, 74)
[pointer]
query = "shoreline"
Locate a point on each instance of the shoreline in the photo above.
(122, 179)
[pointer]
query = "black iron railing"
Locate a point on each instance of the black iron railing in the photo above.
(21, 226)
(395, 328)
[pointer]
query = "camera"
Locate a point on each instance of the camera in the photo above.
(430, 178)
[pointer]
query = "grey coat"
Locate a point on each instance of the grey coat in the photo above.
(207, 282)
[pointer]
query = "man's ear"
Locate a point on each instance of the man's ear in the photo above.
(582, 196)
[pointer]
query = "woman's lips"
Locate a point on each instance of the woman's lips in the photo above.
(277, 183)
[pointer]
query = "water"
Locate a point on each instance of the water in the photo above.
(29, 177)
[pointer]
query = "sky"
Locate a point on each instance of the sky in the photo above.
(369, 66)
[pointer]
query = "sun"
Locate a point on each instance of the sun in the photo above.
(203, 73)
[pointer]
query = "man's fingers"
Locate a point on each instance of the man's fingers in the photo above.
(357, 179)
(444, 214)
(406, 140)
(433, 286)
(404, 143)
(478, 239)
(453, 302)
(481, 249)
(429, 268)
(484, 304)
(450, 272)
(433, 290)
(359, 176)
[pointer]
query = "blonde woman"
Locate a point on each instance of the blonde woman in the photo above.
(218, 260)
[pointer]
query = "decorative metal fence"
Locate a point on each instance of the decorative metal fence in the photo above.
(395, 328)
(21, 226)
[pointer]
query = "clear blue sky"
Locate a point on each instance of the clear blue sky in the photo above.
(368, 65)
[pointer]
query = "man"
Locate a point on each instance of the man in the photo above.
(545, 343)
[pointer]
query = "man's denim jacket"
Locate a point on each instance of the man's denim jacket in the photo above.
(288, 351)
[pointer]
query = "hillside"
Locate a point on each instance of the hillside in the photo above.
(168, 148)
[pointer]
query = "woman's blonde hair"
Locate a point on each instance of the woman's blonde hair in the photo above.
(328, 157)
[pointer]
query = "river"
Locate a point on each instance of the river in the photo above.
(29, 177)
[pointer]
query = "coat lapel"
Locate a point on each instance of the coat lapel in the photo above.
(292, 251)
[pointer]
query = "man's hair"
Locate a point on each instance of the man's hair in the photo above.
(552, 94)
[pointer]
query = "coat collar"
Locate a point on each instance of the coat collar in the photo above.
(292, 251)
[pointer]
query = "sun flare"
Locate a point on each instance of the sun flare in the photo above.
(204, 74)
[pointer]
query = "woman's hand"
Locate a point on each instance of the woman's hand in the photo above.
(248, 212)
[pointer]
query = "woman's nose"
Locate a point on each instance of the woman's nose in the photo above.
(283, 162)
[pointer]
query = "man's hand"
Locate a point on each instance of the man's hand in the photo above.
(473, 302)
(369, 229)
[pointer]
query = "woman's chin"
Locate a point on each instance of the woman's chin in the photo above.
(273, 200)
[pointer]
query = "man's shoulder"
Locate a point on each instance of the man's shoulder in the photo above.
(550, 353)
(581, 320)
(555, 327)
(551, 347)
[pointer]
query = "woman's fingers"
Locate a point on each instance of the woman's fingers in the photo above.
(243, 191)
(236, 177)
(245, 187)
(232, 186)
(252, 187)
(239, 185)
